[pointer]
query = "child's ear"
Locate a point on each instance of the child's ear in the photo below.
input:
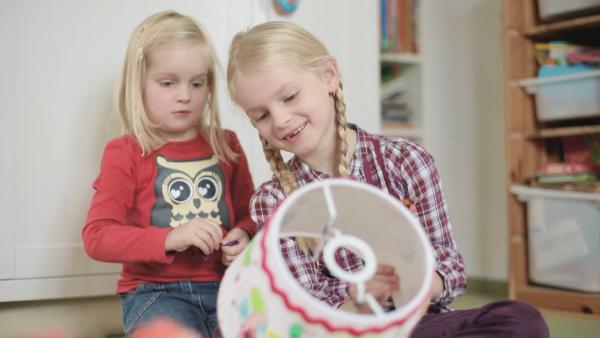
(331, 74)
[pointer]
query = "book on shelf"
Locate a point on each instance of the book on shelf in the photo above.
(390, 71)
(399, 25)
(568, 176)
(567, 168)
(582, 149)
(580, 170)
(392, 87)
(582, 186)
(395, 108)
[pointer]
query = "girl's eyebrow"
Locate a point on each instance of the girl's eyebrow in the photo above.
(254, 110)
(169, 74)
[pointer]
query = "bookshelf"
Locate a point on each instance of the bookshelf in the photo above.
(401, 113)
(531, 143)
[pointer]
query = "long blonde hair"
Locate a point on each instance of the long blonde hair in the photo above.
(159, 30)
(281, 42)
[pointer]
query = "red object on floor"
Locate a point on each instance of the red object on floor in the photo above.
(162, 328)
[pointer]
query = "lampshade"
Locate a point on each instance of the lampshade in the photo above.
(259, 296)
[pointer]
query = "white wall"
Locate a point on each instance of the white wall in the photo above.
(60, 60)
(63, 58)
(464, 98)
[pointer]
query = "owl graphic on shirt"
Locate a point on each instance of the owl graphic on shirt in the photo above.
(186, 189)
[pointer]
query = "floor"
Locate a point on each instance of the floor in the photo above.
(561, 324)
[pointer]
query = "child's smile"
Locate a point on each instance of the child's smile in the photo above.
(295, 132)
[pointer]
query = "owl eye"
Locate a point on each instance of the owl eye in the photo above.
(180, 191)
(207, 188)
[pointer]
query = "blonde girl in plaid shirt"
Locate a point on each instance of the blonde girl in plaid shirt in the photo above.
(290, 87)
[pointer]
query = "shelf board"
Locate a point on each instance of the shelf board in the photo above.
(549, 29)
(553, 298)
(533, 84)
(396, 129)
(565, 131)
(407, 58)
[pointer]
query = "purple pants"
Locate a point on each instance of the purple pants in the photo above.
(498, 319)
(505, 318)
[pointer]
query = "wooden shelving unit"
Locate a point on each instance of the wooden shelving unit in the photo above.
(530, 142)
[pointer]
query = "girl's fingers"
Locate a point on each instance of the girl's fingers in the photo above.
(217, 234)
(204, 244)
(385, 269)
(381, 288)
(208, 241)
(232, 250)
(227, 259)
(212, 234)
(213, 238)
(382, 285)
(393, 280)
(228, 250)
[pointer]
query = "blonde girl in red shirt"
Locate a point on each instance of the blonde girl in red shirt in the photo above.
(171, 198)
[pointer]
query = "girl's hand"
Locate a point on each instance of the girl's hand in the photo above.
(205, 234)
(233, 244)
(381, 286)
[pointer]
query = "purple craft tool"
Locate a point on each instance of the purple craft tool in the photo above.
(232, 243)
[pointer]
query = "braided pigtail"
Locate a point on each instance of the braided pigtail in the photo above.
(343, 162)
(288, 183)
(279, 168)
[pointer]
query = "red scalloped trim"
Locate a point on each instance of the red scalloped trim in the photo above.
(324, 322)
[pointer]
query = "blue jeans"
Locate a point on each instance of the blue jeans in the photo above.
(191, 304)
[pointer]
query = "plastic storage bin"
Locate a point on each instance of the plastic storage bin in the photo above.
(559, 9)
(563, 237)
(567, 96)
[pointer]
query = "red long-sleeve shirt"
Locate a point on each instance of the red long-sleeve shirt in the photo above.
(139, 199)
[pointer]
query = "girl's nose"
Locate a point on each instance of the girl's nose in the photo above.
(183, 94)
(281, 118)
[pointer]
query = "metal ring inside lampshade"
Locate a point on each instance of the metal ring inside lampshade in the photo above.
(358, 247)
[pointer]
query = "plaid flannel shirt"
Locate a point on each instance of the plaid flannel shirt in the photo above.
(411, 172)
